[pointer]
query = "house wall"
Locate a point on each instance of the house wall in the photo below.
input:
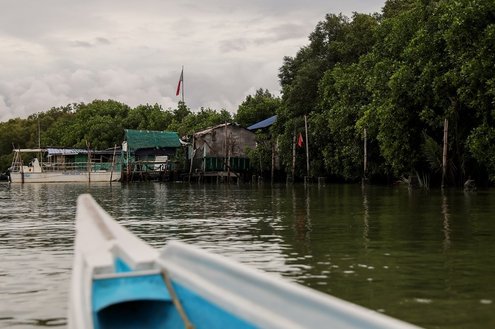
(235, 139)
(219, 143)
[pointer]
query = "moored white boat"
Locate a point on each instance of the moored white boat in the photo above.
(60, 167)
(119, 281)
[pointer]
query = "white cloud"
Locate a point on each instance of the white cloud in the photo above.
(57, 52)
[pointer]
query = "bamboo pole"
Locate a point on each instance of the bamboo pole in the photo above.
(445, 146)
(113, 162)
(193, 153)
(183, 102)
(128, 169)
(365, 160)
(307, 143)
(273, 160)
(89, 162)
(225, 145)
(228, 161)
(294, 155)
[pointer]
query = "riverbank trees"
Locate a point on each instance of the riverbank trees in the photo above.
(99, 124)
(399, 76)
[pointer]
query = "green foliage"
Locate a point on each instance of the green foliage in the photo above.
(261, 157)
(256, 108)
(324, 81)
(99, 125)
(481, 144)
(193, 122)
(399, 75)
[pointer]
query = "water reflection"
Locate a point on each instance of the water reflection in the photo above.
(366, 216)
(446, 226)
(301, 211)
(389, 249)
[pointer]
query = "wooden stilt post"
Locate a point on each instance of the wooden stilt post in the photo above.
(273, 160)
(445, 146)
(193, 153)
(294, 141)
(225, 164)
(89, 162)
(307, 144)
(365, 156)
(113, 162)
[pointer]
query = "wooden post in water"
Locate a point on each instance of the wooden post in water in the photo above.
(22, 167)
(193, 153)
(228, 163)
(445, 146)
(294, 155)
(89, 162)
(113, 163)
(128, 169)
(225, 146)
(307, 143)
(273, 160)
(365, 160)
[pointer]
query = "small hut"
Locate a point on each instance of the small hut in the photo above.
(221, 151)
(147, 153)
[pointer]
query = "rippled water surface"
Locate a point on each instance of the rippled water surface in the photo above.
(424, 257)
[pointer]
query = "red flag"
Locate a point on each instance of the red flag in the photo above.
(180, 82)
(300, 140)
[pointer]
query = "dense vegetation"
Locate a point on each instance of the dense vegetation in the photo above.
(99, 124)
(398, 75)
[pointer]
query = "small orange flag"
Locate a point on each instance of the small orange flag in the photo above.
(300, 140)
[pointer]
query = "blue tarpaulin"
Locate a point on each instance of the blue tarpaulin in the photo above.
(263, 124)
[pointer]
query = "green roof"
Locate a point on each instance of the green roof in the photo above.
(140, 139)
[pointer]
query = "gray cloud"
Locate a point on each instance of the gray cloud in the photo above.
(90, 44)
(58, 52)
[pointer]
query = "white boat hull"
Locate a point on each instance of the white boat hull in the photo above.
(202, 289)
(64, 177)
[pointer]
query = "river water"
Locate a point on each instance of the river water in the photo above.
(426, 257)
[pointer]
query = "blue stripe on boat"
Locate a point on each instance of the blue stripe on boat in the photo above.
(144, 302)
(111, 291)
(131, 302)
(121, 266)
(206, 315)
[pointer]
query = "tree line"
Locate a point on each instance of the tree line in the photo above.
(101, 123)
(398, 75)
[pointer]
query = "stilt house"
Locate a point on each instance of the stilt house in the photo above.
(148, 151)
(221, 151)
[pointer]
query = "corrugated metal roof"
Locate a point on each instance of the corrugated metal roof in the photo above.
(264, 123)
(140, 139)
(209, 130)
(64, 151)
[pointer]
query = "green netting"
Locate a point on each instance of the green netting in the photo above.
(140, 139)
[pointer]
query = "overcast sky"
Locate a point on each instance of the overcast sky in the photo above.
(56, 52)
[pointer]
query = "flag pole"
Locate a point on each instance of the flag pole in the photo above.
(183, 84)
